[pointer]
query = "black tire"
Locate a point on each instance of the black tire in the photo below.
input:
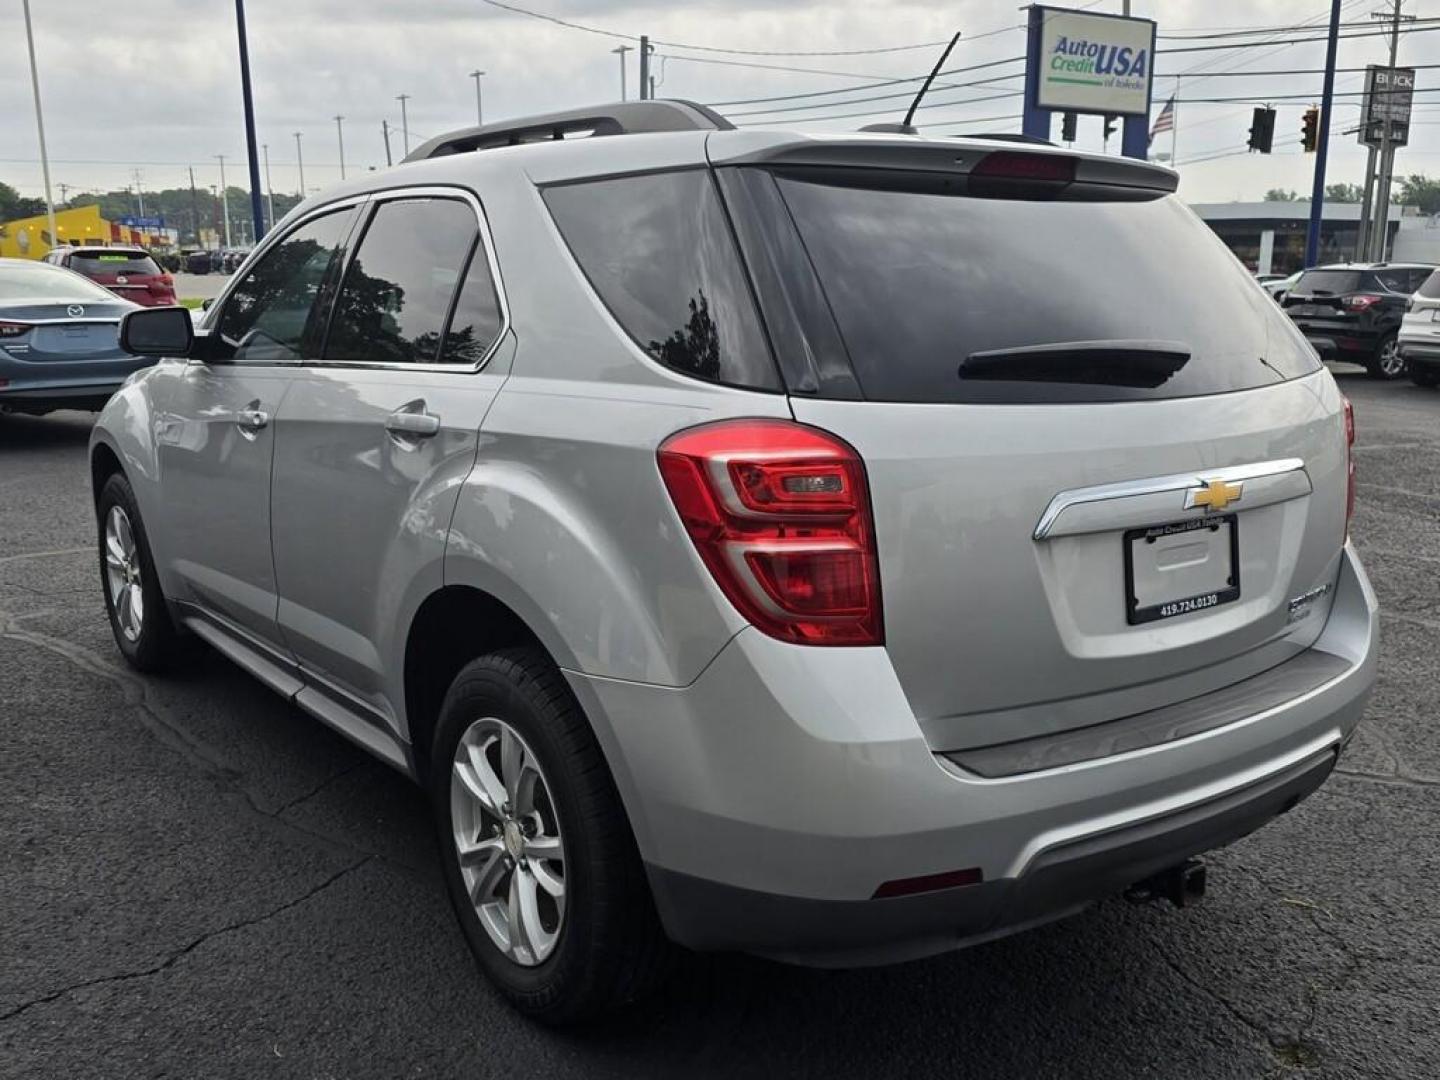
(610, 950)
(1426, 375)
(1386, 362)
(158, 644)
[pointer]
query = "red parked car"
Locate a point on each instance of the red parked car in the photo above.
(126, 271)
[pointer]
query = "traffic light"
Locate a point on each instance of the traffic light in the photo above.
(1262, 129)
(1067, 127)
(1310, 130)
(1110, 121)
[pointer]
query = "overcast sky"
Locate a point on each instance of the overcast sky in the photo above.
(154, 85)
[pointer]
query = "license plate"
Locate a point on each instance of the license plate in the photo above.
(1181, 568)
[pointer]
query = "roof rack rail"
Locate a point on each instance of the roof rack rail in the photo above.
(621, 118)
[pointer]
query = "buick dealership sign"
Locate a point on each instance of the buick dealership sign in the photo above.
(1088, 63)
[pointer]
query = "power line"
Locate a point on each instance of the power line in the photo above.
(870, 86)
(711, 48)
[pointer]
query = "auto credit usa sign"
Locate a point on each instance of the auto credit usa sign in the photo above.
(1088, 63)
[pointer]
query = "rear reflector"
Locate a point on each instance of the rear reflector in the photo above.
(780, 514)
(1349, 462)
(909, 886)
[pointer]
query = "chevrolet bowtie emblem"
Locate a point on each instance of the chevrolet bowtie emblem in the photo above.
(1215, 495)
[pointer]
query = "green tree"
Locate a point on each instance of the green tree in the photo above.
(1345, 193)
(1419, 190)
(14, 205)
(1276, 194)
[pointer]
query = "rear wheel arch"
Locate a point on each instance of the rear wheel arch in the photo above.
(451, 627)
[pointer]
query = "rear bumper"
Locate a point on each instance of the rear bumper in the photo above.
(773, 797)
(1423, 351)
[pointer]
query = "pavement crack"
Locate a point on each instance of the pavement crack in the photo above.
(290, 804)
(1254, 1026)
(135, 695)
(185, 950)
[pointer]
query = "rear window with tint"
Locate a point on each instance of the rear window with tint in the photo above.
(113, 262)
(949, 298)
(659, 252)
(1327, 282)
(1430, 288)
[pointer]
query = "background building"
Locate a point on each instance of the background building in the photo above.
(1269, 237)
(29, 238)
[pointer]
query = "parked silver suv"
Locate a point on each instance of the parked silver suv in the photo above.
(839, 548)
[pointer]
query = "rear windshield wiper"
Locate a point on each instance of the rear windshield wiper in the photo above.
(1139, 364)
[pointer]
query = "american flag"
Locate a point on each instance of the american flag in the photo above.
(1165, 121)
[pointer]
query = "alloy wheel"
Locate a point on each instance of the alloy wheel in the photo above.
(122, 574)
(1391, 362)
(507, 838)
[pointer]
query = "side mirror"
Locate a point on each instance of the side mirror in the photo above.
(158, 331)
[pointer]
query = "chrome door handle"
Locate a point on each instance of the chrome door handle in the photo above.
(252, 419)
(416, 424)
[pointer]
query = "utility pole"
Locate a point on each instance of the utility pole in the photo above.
(269, 191)
(139, 191)
(194, 208)
(404, 123)
(40, 126)
(385, 134)
(479, 109)
(64, 193)
(644, 67)
(1362, 233)
(621, 51)
(224, 199)
(1327, 106)
(300, 162)
(1379, 233)
(340, 136)
(257, 213)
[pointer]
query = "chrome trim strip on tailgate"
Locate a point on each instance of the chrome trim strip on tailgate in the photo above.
(1177, 483)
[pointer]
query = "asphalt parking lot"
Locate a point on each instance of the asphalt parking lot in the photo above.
(197, 880)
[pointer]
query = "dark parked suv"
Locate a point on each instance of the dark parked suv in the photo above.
(1353, 312)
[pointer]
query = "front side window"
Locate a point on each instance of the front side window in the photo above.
(395, 301)
(273, 315)
(659, 252)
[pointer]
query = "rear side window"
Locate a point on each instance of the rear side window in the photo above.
(116, 262)
(477, 320)
(396, 297)
(1327, 282)
(1430, 287)
(948, 298)
(659, 252)
(1395, 280)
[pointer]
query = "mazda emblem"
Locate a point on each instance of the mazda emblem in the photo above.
(75, 311)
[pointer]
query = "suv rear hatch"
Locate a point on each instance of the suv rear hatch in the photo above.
(1049, 369)
(131, 274)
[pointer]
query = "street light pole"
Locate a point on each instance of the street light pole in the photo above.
(340, 137)
(224, 199)
(404, 123)
(622, 50)
(479, 110)
(300, 162)
(40, 126)
(269, 191)
(257, 213)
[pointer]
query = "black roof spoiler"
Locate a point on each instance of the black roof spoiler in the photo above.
(621, 118)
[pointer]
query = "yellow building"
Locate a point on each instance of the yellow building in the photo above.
(29, 238)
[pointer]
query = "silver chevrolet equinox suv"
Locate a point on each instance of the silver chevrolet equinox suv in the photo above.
(839, 548)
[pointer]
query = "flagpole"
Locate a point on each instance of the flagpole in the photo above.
(1175, 125)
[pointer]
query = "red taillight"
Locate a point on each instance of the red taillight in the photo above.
(1011, 165)
(161, 286)
(780, 514)
(13, 329)
(1349, 462)
(1362, 302)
